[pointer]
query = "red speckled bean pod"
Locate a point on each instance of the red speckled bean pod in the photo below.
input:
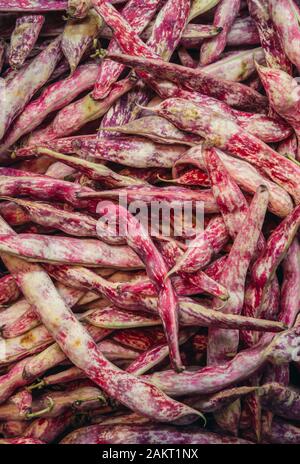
(229, 198)
(245, 175)
(157, 129)
(219, 400)
(225, 14)
(173, 195)
(164, 38)
(282, 401)
(212, 379)
(114, 318)
(185, 58)
(20, 441)
(200, 7)
(270, 40)
(9, 291)
(27, 370)
(232, 93)
(243, 32)
(194, 34)
(284, 97)
(228, 136)
(78, 8)
(139, 240)
(138, 13)
(30, 80)
(97, 172)
(191, 177)
(78, 37)
(290, 290)
(265, 266)
(289, 146)
(13, 214)
(285, 15)
(270, 129)
(32, 5)
(132, 151)
(140, 434)
(48, 429)
(72, 117)
(222, 345)
(23, 38)
(87, 397)
(86, 252)
(52, 98)
(83, 352)
(201, 250)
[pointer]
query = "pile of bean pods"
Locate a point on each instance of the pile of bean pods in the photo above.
(138, 336)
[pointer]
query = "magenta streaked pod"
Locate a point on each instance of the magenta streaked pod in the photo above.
(9, 291)
(167, 30)
(32, 5)
(243, 32)
(211, 379)
(82, 350)
(139, 240)
(201, 250)
(53, 98)
(78, 8)
(237, 67)
(290, 289)
(78, 36)
(281, 400)
(271, 41)
(173, 195)
(20, 316)
(141, 434)
(227, 135)
(55, 249)
(20, 441)
(138, 13)
(48, 429)
(228, 196)
(245, 175)
(266, 128)
(157, 129)
(265, 266)
(282, 432)
(283, 95)
(186, 58)
(53, 404)
(225, 15)
(72, 117)
(232, 93)
(289, 146)
(285, 15)
(223, 345)
(30, 80)
(132, 151)
(23, 38)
